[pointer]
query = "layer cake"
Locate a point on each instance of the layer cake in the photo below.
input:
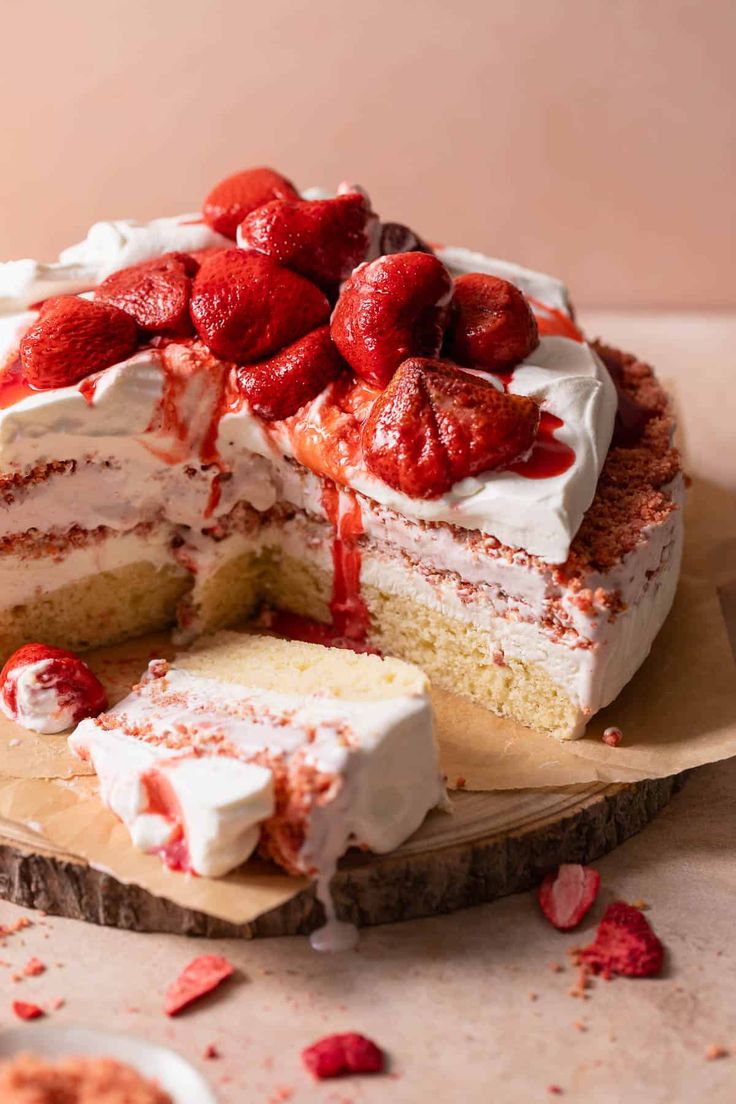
(342, 433)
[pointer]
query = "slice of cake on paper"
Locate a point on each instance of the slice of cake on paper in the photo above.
(254, 743)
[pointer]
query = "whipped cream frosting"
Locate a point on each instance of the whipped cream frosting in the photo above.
(380, 754)
(109, 246)
(120, 423)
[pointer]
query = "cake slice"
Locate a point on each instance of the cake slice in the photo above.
(250, 742)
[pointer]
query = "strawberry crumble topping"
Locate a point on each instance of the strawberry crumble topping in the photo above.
(31, 1080)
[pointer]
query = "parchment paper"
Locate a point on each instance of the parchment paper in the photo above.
(678, 712)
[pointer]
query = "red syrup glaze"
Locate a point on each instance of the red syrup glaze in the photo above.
(175, 854)
(88, 387)
(13, 387)
(208, 453)
(549, 457)
(349, 612)
(295, 627)
(182, 364)
(554, 323)
(350, 617)
(161, 801)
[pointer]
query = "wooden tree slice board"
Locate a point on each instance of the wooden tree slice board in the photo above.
(492, 844)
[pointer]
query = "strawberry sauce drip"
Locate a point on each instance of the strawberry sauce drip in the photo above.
(161, 801)
(193, 378)
(88, 388)
(350, 617)
(549, 457)
(208, 449)
(13, 387)
(349, 612)
(554, 323)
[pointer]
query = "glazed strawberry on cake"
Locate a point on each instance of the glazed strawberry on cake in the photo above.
(285, 405)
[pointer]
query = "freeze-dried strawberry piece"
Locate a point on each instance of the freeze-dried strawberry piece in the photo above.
(72, 338)
(337, 1055)
(155, 293)
(236, 196)
(394, 237)
(566, 895)
(33, 967)
(278, 387)
(435, 424)
(493, 326)
(49, 689)
(393, 308)
(323, 239)
(624, 944)
(245, 306)
(200, 977)
(25, 1011)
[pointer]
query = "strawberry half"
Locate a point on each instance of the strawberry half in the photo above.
(64, 688)
(323, 239)
(72, 338)
(566, 895)
(435, 424)
(245, 306)
(236, 196)
(155, 293)
(493, 325)
(278, 387)
(393, 308)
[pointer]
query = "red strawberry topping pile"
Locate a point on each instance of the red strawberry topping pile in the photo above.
(493, 325)
(338, 1055)
(263, 309)
(278, 387)
(236, 196)
(567, 895)
(624, 944)
(245, 306)
(323, 239)
(200, 977)
(72, 338)
(58, 688)
(393, 308)
(154, 293)
(435, 424)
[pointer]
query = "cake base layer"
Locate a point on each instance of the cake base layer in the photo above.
(455, 655)
(104, 608)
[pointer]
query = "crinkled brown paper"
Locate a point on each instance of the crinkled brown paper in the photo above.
(677, 713)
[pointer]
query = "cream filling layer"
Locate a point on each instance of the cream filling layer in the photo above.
(25, 578)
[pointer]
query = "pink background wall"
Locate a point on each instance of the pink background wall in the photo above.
(591, 138)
